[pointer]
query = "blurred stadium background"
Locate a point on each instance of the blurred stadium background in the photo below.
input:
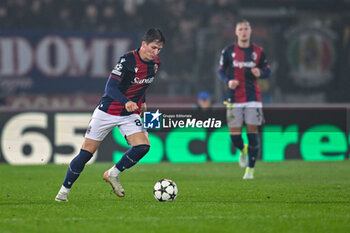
(57, 55)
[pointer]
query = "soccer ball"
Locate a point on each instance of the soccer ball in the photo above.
(165, 190)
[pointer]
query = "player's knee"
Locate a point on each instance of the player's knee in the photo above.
(78, 163)
(253, 139)
(236, 138)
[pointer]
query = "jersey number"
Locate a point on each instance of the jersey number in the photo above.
(138, 122)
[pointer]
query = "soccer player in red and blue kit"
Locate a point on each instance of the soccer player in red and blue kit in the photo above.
(121, 105)
(241, 64)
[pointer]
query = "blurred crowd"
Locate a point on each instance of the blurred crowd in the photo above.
(180, 20)
(196, 31)
(114, 15)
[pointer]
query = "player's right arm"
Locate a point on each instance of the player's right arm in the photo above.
(112, 90)
(224, 63)
(131, 106)
(233, 84)
(117, 75)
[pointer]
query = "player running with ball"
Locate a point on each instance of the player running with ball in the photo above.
(241, 64)
(121, 105)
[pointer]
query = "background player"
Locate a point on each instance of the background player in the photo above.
(241, 64)
(121, 104)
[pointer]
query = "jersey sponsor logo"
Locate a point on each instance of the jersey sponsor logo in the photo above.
(142, 81)
(245, 64)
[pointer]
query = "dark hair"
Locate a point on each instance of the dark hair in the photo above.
(154, 34)
(239, 21)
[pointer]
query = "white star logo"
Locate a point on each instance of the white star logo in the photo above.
(156, 115)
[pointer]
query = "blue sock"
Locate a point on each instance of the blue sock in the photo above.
(132, 156)
(253, 149)
(237, 141)
(76, 167)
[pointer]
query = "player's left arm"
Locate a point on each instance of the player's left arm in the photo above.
(262, 70)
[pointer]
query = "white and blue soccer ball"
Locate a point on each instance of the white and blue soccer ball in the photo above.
(165, 190)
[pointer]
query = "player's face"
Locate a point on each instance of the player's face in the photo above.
(204, 103)
(243, 32)
(150, 51)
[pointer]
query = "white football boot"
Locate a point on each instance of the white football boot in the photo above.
(114, 182)
(62, 195)
(243, 158)
(249, 174)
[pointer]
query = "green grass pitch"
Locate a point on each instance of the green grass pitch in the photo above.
(290, 196)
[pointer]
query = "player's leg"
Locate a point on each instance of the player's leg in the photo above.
(237, 141)
(76, 167)
(140, 147)
(253, 118)
(78, 163)
(253, 150)
(235, 121)
(98, 128)
(137, 137)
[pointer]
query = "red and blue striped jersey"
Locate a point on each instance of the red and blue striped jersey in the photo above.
(236, 63)
(130, 79)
